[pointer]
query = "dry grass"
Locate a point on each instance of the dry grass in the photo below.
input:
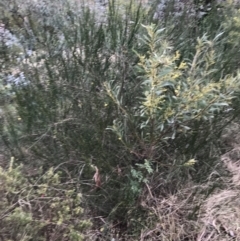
(196, 212)
(221, 211)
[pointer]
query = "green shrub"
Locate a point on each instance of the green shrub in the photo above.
(172, 101)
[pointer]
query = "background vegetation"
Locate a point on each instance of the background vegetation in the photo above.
(119, 120)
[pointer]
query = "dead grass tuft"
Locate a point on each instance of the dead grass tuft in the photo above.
(206, 212)
(220, 213)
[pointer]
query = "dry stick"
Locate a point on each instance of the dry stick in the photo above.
(149, 191)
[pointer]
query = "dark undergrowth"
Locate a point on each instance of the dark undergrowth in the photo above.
(119, 121)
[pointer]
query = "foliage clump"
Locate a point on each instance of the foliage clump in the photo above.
(40, 208)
